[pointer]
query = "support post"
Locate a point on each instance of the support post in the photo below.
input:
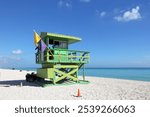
(83, 72)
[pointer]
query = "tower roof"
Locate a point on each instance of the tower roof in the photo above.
(53, 36)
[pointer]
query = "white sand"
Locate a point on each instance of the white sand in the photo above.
(98, 89)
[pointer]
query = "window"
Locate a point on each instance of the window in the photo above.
(50, 41)
(60, 44)
(63, 45)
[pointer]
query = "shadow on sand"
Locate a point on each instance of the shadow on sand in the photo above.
(10, 83)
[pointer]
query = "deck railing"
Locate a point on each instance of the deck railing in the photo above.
(62, 56)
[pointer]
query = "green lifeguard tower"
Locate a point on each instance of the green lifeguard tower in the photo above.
(58, 62)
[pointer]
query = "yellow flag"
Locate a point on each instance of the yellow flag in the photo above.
(36, 38)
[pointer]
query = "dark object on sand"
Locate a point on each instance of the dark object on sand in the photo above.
(31, 77)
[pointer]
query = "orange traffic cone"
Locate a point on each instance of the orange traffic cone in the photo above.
(78, 94)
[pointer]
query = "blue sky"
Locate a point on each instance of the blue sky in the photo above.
(117, 33)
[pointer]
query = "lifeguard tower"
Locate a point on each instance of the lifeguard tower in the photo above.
(58, 62)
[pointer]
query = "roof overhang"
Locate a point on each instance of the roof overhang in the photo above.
(53, 36)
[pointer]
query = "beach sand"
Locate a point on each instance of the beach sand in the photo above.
(98, 89)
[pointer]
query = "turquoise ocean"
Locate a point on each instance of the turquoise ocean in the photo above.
(140, 74)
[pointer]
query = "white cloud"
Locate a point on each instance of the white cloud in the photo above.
(9, 61)
(102, 14)
(68, 4)
(87, 1)
(17, 51)
(3, 60)
(64, 3)
(15, 58)
(134, 14)
(60, 3)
